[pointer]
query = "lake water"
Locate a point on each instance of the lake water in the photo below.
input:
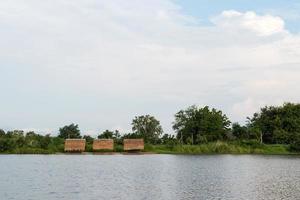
(95, 177)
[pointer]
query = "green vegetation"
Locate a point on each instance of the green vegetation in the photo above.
(220, 147)
(20, 143)
(200, 125)
(70, 131)
(273, 130)
(147, 127)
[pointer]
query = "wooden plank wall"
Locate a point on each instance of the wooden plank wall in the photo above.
(133, 144)
(103, 144)
(74, 145)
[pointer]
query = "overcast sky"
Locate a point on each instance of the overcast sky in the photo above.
(100, 63)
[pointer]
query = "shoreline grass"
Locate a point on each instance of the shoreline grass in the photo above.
(219, 147)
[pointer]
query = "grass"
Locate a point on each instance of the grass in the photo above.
(26, 150)
(220, 147)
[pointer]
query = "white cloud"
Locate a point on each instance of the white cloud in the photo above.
(100, 63)
(263, 25)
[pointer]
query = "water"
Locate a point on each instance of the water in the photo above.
(95, 177)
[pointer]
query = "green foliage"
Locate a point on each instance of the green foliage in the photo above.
(279, 124)
(115, 135)
(89, 147)
(240, 132)
(149, 147)
(196, 125)
(18, 142)
(168, 139)
(295, 145)
(88, 139)
(118, 148)
(70, 131)
(274, 130)
(2, 133)
(281, 136)
(131, 136)
(220, 147)
(5, 144)
(147, 127)
(106, 135)
(252, 143)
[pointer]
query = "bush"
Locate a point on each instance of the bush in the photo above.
(295, 146)
(252, 143)
(118, 148)
(221, 147)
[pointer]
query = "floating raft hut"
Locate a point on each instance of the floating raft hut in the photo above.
(103, 144)
(74, 145)
(133, 144)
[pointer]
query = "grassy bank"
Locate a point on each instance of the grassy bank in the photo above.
(218, 147)
(221, 148)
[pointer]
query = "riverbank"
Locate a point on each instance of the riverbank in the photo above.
(222, 148)
(218, 147)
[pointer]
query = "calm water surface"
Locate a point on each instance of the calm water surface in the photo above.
(94, 177)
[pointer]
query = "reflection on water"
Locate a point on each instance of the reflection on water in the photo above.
(149, 177)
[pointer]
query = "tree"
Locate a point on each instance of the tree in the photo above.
(117, 137)
(2, 133)
(45, 141)
(88, 139)
(147, 127)
(277, 124)
(106, 135)
(239, 131)
(32, 139)
(295, 144)
(131, 136)
(116, 134)
(198, 125)
(70, 131)
(17, 136)
(169, 139)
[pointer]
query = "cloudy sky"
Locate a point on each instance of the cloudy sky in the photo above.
(100, 63)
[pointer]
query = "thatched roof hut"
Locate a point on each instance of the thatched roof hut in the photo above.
(133, 144)
(103, 144)
(74, 145)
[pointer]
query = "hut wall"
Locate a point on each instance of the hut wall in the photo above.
(103, 144)
(133, 144)
(74, 145)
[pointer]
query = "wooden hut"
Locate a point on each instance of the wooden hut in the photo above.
(103, 144)
(74, 145)
(133, 144)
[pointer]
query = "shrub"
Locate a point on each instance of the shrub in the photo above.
(295, 145)
(252, 143)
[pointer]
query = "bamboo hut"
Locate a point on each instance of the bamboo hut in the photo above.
(103, 144)
(74, 145)
(133, 144)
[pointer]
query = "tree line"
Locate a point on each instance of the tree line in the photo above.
(193, 125)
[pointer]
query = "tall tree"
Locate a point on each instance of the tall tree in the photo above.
(69, 131)
(89, 139)
(197, 125)
(106, 135)
(116, 134)
(240, 132)
(277, 124)
(2, 132)
(147, 127)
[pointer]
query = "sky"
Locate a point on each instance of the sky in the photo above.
(99, 63)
